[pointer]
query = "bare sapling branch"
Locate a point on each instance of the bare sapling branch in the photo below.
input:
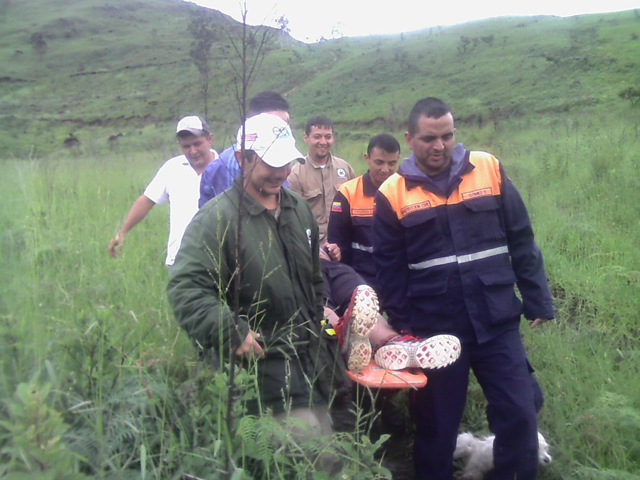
(248, 51)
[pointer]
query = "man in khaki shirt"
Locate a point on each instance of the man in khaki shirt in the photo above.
(318, 179)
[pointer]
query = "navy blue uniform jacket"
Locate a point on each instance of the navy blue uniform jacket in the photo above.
(448, 261)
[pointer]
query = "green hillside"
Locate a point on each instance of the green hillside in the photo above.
(98, 380)
(94, 70)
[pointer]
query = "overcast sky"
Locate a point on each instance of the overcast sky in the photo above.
(309, 20)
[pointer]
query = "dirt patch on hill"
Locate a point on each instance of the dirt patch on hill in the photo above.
(12, 80)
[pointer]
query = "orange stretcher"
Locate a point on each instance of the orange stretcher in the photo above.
(373, 376)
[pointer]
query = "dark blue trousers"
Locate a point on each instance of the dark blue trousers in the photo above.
(502, 370)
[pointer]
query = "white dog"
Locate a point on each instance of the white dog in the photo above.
(478, 453)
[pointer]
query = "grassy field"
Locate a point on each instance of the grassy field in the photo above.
(97, 378)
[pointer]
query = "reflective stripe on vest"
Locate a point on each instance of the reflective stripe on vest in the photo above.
(359, 246)
(492, 252)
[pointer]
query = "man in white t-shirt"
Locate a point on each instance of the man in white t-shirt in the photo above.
(177, 181)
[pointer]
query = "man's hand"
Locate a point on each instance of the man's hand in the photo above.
(250, 346)
(116, 243)
(334, 251)
(540, 321)
(331, 316)
(140, 208)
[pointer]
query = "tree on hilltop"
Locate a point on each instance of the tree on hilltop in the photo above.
(464, 44)
(202, 30)
(488, 40)
(632, 94)
(38, 43)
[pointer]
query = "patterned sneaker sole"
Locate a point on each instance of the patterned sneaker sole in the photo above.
(431, 353)
(364, 316)
(359, 354)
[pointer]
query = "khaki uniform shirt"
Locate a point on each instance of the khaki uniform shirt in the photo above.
(318, 185)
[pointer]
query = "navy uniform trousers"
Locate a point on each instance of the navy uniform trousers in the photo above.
(512, 393)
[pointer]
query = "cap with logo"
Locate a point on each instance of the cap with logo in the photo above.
(194, 125)
(271, 139)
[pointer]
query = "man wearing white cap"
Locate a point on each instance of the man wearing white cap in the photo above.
(177, 181)
(278, 330)
(219, 176)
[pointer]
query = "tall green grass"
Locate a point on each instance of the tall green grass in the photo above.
(90, 352)
(579, 180)
(91, 356)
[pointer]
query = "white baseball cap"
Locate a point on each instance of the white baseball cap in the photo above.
(271, 139)
(194, 125)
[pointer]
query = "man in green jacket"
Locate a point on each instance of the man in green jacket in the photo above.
(280, 298)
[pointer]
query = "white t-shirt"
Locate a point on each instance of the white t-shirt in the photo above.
(178, 183)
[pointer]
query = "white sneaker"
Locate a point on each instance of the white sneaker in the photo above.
(407, 351)
(355, 326)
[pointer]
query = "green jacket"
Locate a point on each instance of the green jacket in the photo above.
(280, 294)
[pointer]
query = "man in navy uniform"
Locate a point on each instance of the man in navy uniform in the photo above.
(451, 239)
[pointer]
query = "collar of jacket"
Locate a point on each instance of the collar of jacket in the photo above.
(315, 165)
(368, 188)
(286, 200)
(460, 165)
